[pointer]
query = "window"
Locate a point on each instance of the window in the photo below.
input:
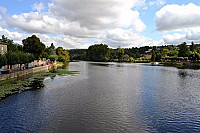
(2, 48)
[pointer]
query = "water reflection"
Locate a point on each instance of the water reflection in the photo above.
(182, 73)
(108, 97)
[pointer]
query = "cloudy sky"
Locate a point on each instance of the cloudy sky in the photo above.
(80, 23)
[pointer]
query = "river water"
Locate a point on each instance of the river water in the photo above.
(108, 98)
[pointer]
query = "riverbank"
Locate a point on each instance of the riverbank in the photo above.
(180, 65)
(35, 81)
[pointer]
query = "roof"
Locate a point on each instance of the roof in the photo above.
(3, 43)
(147, 56)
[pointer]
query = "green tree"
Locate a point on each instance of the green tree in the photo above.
(53, 57)
(165, 52)
(183, 50)
(12, 58)
(33, 45)
(153, 58)
(98, 52)
(193, 47)
(158, 57)
(131, 59)
(23, 58)
(3, 60)
(120, 53)
(45, 55)
(62, 53)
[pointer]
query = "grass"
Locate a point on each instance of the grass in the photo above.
(12, 86)
(65, 72)
(7, 89)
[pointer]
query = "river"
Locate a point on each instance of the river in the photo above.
(108, 98)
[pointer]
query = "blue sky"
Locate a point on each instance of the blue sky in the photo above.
(80, 23)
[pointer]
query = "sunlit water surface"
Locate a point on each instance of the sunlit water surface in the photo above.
(108, 98)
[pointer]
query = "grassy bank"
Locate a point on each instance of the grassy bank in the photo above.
(13, 86)
(173, 64)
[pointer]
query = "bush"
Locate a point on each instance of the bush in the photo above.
(53, 57)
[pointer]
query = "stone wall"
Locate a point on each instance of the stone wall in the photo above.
(24, 73)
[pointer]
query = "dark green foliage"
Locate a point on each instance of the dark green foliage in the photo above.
(19, 48)
(153, 58)
(120, 54)
(3, 60)
(193, 47)
(45, 55)
(23, 58)
(77, 54)
(158, 57)
(33, 45)
(50, 50)
(194, 56)
(12, 58)
(53, 57)
(61, 58)
(62, 53)
(183, 50)
(98, 52)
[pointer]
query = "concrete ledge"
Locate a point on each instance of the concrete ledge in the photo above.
(24, 72)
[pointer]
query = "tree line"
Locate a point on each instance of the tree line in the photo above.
(101, 52)
(32, 49)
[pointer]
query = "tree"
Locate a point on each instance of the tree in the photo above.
(98, 52)
(193, 47)
(165, 52)
(52, 46)
(23, 58)
(194, 56)
(131, 59)
(62, 53)
(3, 60)
(12, 58)
(45, 55)
(183, 50)
(158, 57)
(153, 58)
(33, 45)
(53, 57)
(120, 53)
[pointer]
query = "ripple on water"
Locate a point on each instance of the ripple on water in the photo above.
(108, 97)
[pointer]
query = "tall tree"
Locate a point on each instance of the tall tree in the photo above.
(120, 53)
(153, 58)
(63, 55)
(98, 52)
(12, 58)
(33, 45)
(193, 47)
(183, 50)
(3, 60)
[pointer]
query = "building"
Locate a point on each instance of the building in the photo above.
(3, 47)
(147, 56)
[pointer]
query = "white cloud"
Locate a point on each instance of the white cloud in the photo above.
(175, 38)
(38, 7)
(124, 38)
(59, 40)
(72, 24)
(99, 14)
(193, 34)
(178, 18)
(157, 2)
